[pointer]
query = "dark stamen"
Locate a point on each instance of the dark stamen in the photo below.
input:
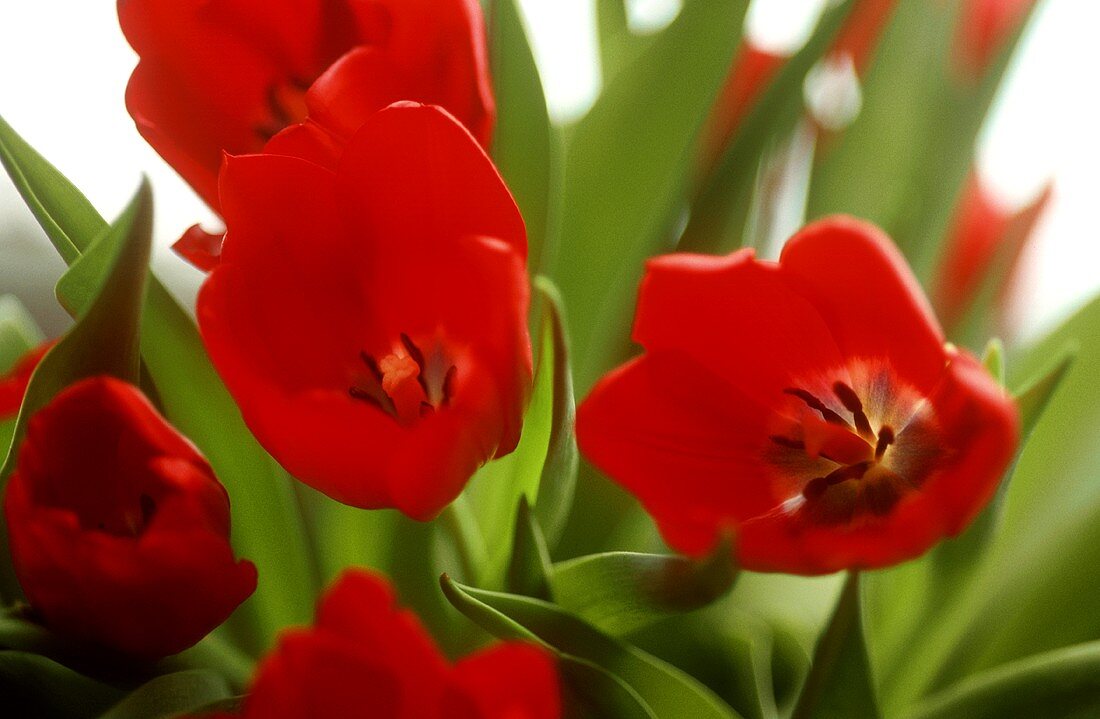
(372, 365)
(418, 357)
(383, 403)
(885, 439)
(850, 400)
(449, 385)
(843, 474)
(426, 408)
(787, 442)
(814, 403)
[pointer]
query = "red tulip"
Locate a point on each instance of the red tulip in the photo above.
(983, 28)
(372, 322)
(119, 531)
(364, 656)
(13, 385)
(983, 232)
(227, 76)
(810, 406)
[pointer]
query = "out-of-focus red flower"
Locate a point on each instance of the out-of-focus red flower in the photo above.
(119, 530)
(752, 69)
(227, 76)
(861, 32)
(367, 657)
(983, 28)
(810, 406)
(372, 322)
(984, 232)
(13, 385)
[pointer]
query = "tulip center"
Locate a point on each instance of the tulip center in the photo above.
(286, 105)
(852, 448)
(121, 516)
(406, 384)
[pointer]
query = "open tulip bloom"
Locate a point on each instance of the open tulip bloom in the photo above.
(405, 458)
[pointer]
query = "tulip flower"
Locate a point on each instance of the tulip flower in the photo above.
(983, 28)
(228, 76)
(985, 238)
(810, 407)
(13, 384)
(372, 322)
(365, 656)
(119, 531)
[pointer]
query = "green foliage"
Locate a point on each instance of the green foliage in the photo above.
(665, 690)
(628, 163)
(266, 525)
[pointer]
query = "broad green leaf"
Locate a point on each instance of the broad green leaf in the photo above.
(1055, 685)
(104, 340)
(171, 695)
(525, 147)
(590, 692)
(1035, 589)
(720, 210)
(840, 684)
(529, 569)
(620, 592)
(18, 332)
(546, 453)
(267, 526)
(668, 692)
(903, 161)
(34, 686)
(627, 165)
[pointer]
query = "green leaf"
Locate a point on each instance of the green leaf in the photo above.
(840, 683)
(544, 463)
(104, 340)
(525, 146)
(18, 333)
(34, 686)
(529, 569)
(669, 692)
(720, 211)
(1054, 685)
(171, 695)
(1035, 588)
(627, 164)
(267, 526)
(559, 471)
(620, 592)
(590, 692)
(900, 164)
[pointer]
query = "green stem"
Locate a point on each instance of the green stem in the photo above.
(461, 524)
(829, 649)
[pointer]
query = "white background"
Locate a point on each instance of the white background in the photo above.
(64, 66)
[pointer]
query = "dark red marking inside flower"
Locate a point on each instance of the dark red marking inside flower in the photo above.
(392, 383)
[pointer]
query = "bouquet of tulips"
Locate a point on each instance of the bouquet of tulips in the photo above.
(480, 416)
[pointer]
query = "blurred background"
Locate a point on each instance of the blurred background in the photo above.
(66, 64)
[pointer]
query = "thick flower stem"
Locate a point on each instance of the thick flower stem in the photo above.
(839, 683)
(459, 522)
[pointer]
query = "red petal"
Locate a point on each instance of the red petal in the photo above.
(412, 173)
(861, 285)
(510, 680)
(736, 317)
(686, 443)
(201, 248)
